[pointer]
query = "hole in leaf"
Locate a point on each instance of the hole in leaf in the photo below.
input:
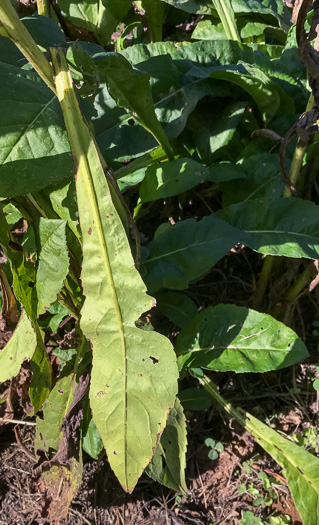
(155, 361)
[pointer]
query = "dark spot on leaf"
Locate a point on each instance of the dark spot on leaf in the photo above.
(289, 344)
(276, 446)
(140, 375)
(169, 442)
(301, 472)
(60, 391)
(107, 386)
(131, 122)
(90, 231)
(112, 214)
(11, 358)
(31, 284)
(107, 216)
(115, 453)
(155, 361)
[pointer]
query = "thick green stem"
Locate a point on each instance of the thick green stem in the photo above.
(43, 8)
(15, 30)
(294, 175)
(227, 17)
(263, 281)
(211, 388)
(297, 160)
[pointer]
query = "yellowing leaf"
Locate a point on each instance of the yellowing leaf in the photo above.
(134, 375)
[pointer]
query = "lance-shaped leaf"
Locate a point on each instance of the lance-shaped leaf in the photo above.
(169, 461)
(229, 337)
(53, 261)
(134, 374)
(20, 347)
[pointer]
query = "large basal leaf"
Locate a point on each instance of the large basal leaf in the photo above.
(21, 346)
(134, 374)
(34, 151)
(228, 337)
(53, 261)
(186, 251)
(169, 461)
(288, 227)
(166, 179)
(301, 468)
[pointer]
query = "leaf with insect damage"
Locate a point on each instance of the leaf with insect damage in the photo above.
(134, 374)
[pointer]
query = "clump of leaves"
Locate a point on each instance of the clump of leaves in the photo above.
(214, 118)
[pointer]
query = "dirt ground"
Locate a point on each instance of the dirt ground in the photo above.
(215, 494)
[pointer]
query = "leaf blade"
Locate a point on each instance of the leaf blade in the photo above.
(129, 397)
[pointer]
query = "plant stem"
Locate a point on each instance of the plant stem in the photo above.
(43, 8)
(299, 153)
(211, 388)
(227, 17)
(302, 281)
(14, 29)
(263, 281)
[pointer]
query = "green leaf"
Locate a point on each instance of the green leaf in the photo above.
(55, 408)
(131, 90)
(195, 399)
(262, 179)
(252, 80)
(34, 151)
(100, 17)
(134, 374)
(42, 377)
(213, 454)
(229, 337)
(213, 128)
(186, 251)
(53, 261)
(209, 29)
(45, 31)
(169, 461)
(178, 307)
(166, 179)
(301, 467)
(288, 227)
(190, 6)
(91, 440)
(21, 346)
